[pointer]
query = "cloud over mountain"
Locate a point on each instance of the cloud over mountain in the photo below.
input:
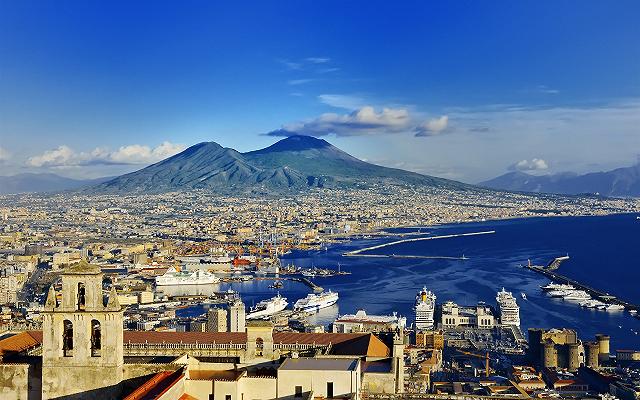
(64, 156)
(433, 126)
(535, 164)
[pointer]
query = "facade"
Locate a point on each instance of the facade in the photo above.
(454, 316)
(561, 348)
(9, 287)
(237, 317)
(430, 340)
(216, 320)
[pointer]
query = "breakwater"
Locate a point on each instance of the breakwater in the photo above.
(359, 252)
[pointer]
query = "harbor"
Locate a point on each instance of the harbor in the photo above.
(606, 298)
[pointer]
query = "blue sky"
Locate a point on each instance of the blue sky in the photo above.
(463, 90)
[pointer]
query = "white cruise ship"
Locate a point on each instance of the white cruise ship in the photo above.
(424, 308)
(315, 302)
(267, 308)
(509, 309)
(174, 278)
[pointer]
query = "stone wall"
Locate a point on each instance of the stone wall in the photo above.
(14, 381)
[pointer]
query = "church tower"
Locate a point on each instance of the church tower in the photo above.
(82, 349)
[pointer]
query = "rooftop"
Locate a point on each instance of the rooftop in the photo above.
(320, 364)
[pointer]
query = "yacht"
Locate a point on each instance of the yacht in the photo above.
(524, 296)
(315, 302)
(174, 277)
(557, 286)
(509, 309)
(577, 295)
(424, 308)
(614, 307)
(267, 308)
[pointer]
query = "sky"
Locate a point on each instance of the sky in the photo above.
(465, 90)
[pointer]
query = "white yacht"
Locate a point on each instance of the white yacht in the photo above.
(424, 308)
(557, 286)
(315, 302)
(614, 307)
(509, 309)
(577, 295)
(174, 277)
(267, 308)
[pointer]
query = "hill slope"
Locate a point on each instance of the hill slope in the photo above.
(293, 163)
(621, 182)
(36, 183)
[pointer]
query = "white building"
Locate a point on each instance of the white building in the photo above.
(479, 316)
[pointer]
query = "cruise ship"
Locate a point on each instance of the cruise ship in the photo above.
(174, 277)
(267, 308)
(509, 309)
(424, 308)
(315, 302)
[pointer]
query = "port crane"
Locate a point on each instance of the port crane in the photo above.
(484, 356)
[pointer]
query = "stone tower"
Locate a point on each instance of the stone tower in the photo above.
(82, 349)
(237, 318)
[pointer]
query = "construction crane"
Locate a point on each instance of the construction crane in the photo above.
(485, 357)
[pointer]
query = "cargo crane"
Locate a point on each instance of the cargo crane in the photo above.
(485, 357)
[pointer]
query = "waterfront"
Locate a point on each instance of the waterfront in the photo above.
(597, 246)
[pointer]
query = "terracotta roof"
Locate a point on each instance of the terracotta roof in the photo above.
(369, 345)
(19, 342)
(317, 338)
(156, 386)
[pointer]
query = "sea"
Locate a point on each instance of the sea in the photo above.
(603, 253)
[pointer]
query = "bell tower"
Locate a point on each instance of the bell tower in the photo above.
(82, 350)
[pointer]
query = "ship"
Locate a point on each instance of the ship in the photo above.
(267, 308)
(425, 308)
(174, 277)
(315, 302)
(509, 309)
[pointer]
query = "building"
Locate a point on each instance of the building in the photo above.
(430, 339)
(216, 320)
(561, 348)
(361, 322)
(9, 287)
(237, 316)
(479, 316)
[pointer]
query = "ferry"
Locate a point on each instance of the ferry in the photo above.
(424, 308)
(174, 277)
(509, 309)
(315, 302)
(267, 308)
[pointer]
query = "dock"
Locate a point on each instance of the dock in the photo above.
(550, 273)
(307, 282)
(405, 256)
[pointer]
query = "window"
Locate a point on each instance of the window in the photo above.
(96, 338)
(81, 297)
(227, 397)
(259, 346)
(298, 392)
(67, 338)
(329, 390)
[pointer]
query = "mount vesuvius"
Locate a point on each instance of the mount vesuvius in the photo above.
(294, 163)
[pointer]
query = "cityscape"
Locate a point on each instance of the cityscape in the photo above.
(317, 261)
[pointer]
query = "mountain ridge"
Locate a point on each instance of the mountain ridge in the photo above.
(293, 163)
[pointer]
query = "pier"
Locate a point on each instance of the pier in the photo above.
(380, 246)
(405, 256)
(600, 295)
(307, 282)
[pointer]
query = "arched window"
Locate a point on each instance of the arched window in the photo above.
(67, 338)
(96, 338)
(259, 346)
(81, 296)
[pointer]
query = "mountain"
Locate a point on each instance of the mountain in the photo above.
(621, 182)
(35, 183)
(293, 163)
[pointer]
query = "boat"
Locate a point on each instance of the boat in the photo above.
(173, 277)
(267, 308)
(614, 307)
(509, 309)
(424, 308)
(557, 286)
(315, 302)
(524, 296)
(577, 295)
(276, 285)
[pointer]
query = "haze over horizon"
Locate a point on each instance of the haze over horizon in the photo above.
(462, 91)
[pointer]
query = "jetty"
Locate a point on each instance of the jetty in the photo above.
(549, 272)
(380, 246)
(307, 282)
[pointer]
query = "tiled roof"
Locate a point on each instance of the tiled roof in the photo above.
(156, 386)
(19, 342)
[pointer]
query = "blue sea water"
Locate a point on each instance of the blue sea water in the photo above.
(603, 250)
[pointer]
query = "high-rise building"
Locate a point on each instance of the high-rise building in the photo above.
(217, 320)
(237, 317)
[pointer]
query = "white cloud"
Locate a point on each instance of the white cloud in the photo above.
(535, 164)
(295, 82)
(4, 155)
(433, 126)
(364, 121)
(318, 60)
(64, 156)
